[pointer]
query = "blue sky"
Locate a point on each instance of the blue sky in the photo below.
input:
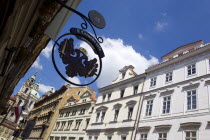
(138, 32)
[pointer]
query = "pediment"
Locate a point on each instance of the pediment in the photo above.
(86, 94)
(118, 105)
(131, 102)
(102, 108)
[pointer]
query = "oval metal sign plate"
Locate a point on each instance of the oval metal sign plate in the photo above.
(97, 19)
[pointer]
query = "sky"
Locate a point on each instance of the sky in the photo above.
(137, 33)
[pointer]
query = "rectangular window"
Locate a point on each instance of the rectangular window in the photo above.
(166, 104)
(78, 92)
(97, 116)
(191, 69)
(123, 138)
(82, 111)
(191, 135)
(90, 137)
(69, 125)
(153, 81)
(77, 124)
(143, 137)
(109, 96)
(191, 100)
(162, 136)
(168, 77)
(135, 90)
(109, 137)
(62, 126)
(149, 107)
(130, 112)
(122, 93)
(96, 137)
(57, 125)
(104, 97)
(87, 122)
(116, 114)
(102, 116)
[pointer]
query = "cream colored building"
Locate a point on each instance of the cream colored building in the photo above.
(46, 110)
(116, 110)
(75, 116)
(176, 96)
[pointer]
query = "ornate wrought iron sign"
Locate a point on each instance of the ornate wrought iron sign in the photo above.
(76, 59)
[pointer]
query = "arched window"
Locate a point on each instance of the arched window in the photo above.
(26, 90)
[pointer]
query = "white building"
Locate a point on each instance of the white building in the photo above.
(75, 116)
(115, 113)
(176, 96)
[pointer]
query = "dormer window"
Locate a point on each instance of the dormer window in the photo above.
(122, 93)
(109, 96)
(104, 97)
(123, 75)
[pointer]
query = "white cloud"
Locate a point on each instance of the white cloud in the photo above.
(47, 51)
(140, 36)
(37, 64)
(44, 88)
(118, 55)
(160, 26)
(74, 80)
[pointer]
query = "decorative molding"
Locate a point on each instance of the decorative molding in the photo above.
(101, 108)
(131, 102)
(144, 128)
(191, 84)
(163, 126)
(118, 105)
(167, 91)
(190, 124)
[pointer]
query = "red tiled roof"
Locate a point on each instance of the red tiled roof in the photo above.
(183, 46)
(13, 98)
(178, 57)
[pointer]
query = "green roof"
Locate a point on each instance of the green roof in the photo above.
(35, 93)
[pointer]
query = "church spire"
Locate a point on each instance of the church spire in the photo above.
(32, 78)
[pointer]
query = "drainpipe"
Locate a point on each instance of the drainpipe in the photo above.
(138, 113)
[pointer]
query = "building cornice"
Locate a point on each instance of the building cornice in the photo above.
(161, 65)
(123, 83)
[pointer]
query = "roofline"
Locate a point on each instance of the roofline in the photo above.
(183, 46)
(180, 58)
(122, 82)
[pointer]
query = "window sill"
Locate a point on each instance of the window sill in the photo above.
(169, 82)
(113, 122)
(151, 87)
(147, 117)
(128, 120)
(97, 123)
(192, 75)
(165, 114)
(192, 110)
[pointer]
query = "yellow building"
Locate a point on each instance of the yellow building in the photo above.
(46, 111)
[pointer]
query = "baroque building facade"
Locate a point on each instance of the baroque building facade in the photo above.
(46, 111)
(75, 116)
(26, 96)
(173, 100)
(116, 110)
(176, 96)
